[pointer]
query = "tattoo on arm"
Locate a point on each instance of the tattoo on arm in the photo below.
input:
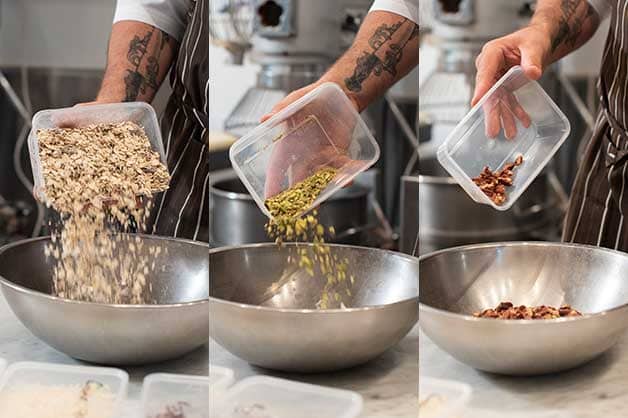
(572, 20)
(387, 45)
(137, 81)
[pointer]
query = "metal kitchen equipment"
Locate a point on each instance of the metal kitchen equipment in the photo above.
(236, 219)
(113, 334)
(293, 42)
(457, 282)
(432, 204)
(285, 332)
(459, 30)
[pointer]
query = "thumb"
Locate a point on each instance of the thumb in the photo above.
(532, 61)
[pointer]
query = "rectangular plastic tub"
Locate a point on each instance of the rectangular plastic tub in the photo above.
(321, 129)
(32, 373)
(262, 396)
(219, 377)
(449, 397)
(139, 112)
(162, 390)
(480, 139)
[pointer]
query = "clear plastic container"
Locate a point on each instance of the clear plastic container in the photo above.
(162, 391)
(449, 398)
(514, 118)
(321, 129)
(139, 112)
(269, 397)
(220, 377)
(45, 374)
(3, 365)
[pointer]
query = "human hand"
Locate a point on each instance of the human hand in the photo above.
(529, 48)
(316, 136)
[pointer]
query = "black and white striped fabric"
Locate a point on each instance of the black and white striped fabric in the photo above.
(182, 211)
(599, 201)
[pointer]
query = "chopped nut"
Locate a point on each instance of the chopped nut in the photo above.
(494, 184)
(506, 310)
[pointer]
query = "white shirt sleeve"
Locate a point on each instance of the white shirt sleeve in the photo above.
(602, 7)
(166, 15)
(406, 8)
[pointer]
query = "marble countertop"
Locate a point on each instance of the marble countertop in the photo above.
(597, 389)
(387, 384)
(18, 344)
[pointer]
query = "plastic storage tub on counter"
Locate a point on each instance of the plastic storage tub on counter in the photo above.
(278, 398)
(220, 377)
(514, 118)
(187, 395)
(45, 374)
(449, 398)
(139, 112)
(321, 129)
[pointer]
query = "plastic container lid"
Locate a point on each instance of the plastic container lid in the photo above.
(479, 140)
(219, 377)
(321, 129)
(46, 374)
(139, 112)
(269, 397)
(449, 397)
(162, 390)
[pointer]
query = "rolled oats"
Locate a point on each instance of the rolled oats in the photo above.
(100, 178)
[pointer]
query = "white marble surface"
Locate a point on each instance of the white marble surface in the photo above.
(598, 389)
(388, 384)
(18, 344)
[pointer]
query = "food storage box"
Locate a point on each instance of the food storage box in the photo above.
(321, 129)
(139, 112)
(263, 396)
(56, 375)
(442, 398)
(514, 118)
(219, 377)
(183, 394)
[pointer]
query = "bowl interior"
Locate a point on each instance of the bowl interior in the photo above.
(262, 275)
(180, 274)
(469, 279)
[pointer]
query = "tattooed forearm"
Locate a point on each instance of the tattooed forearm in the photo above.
(387, 45)
(575, 14)
(144, 71)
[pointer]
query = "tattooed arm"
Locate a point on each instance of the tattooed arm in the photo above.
(557, 28)
(385, 49)
(138, 60)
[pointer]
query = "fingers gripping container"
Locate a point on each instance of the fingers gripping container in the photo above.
(514, 118)
(139, 112)
(46, 374)
(269, 397)
(162, 391)
(321, 129)
(450, 398)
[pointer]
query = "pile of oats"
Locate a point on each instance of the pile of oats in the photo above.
(100, 178)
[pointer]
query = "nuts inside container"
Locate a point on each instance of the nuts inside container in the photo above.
(494, 183)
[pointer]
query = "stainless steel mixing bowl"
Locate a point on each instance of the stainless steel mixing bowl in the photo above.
(114, 334)
(456, 282)
(277, 326)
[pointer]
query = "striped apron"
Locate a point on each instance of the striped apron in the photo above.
(598, 202)
(182, 210)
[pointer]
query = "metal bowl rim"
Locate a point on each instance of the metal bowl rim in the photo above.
(510, 322)
(311, 311)
(21, 289)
